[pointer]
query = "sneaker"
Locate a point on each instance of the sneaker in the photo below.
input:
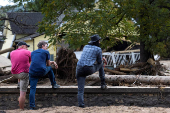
(103, 87)
(55, 86)
(32, 108)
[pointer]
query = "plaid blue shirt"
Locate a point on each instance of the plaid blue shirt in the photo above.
(90, 55)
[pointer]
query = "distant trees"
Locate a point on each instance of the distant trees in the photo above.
(4, 10)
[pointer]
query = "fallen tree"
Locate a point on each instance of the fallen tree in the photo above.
(156, 80)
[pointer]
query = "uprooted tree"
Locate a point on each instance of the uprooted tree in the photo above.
(67, 62)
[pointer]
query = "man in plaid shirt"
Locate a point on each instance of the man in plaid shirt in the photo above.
(90, 61)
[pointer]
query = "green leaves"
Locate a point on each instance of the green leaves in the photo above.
(153, 20)
(83, 19)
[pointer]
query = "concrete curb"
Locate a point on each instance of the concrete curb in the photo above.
(88, 90)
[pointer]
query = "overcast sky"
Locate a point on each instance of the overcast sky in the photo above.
(5, 2)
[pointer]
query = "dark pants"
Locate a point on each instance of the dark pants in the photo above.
(33, 83)
(81, 73)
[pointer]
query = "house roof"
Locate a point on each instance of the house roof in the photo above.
(24, 22)
(30, 37)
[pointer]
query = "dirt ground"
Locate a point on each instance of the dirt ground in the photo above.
(94, 109)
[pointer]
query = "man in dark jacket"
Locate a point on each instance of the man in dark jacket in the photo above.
(90, 61)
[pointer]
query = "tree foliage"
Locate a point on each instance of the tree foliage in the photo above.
(83, 18)
(3, 11)
(153, 18)
(20, 6)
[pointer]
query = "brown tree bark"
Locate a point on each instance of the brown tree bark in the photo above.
(164, 80)
(144, 54)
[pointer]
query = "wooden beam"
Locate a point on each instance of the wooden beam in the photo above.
(128, 51)
(128, 70)
(6, 50)
(115, 72)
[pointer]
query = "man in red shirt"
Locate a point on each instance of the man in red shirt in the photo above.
(20, 60)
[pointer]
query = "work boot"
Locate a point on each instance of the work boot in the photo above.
(82, 106)
(55, 86)
(103, 87)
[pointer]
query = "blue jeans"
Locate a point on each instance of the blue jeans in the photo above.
(33, 78)
(81, 73)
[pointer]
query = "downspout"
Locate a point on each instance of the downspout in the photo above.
(11, 44)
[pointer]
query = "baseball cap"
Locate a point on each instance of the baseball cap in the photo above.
(23, 43)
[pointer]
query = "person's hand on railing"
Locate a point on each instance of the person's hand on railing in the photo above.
(104, 61)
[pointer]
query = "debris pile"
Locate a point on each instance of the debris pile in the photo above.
(141, 73)
(150, 67)
(67, 62)
(5, 68)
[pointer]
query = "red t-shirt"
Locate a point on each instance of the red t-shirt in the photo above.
(20, 60)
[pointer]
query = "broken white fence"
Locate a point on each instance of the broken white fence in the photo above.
(115, 59)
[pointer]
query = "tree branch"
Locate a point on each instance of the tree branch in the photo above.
(120, 19)
(166, 7)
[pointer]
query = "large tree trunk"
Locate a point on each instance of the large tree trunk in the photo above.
(144, 54)
(133, 78)
(144, 35)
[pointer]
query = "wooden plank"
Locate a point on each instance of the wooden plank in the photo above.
(115, 72)
(7, 50)
(128, 51)
(128, 70)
